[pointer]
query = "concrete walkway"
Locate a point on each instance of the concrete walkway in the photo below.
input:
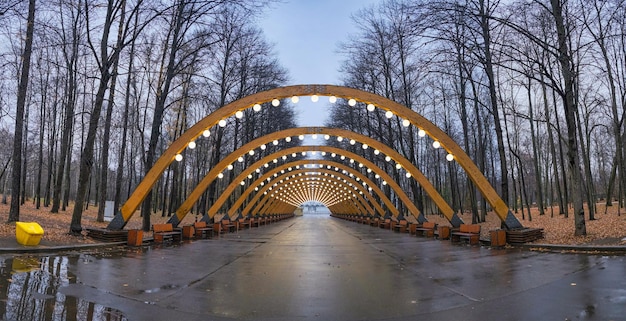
(320, 268)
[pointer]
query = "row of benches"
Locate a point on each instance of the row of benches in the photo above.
(167, 233)
(469, 232)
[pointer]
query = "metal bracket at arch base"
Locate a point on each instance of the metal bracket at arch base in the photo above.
(117, 223)
(511, 222)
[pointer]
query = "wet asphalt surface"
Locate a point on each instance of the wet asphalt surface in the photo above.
(315, 268)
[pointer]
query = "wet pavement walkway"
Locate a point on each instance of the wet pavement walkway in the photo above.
(321, 268)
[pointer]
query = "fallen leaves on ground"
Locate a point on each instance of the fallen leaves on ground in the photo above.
(609, 227)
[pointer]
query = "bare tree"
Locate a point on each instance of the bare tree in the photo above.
(14, 213)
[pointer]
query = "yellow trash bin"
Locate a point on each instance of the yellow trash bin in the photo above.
(28, 233)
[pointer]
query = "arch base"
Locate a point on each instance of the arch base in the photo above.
(511, 222)
(117, 223)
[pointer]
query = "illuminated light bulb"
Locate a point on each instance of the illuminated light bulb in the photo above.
(389, 114)
(384, 182)
(332, 99)
(421, 133)
(206, 133)
(294, 155)
(288, 139)
(436, 144)
(370, 107)
(256, 107)
(406, 123)
(351, 102)
(369, 170)
(376, 152)
(249, 176)
(323, 153)
(377, 176)
(275, 142)
(398, 166)
(240, 159)
(352, 142)
(342, 157)
(230, 167)
(303, 153)
(333, 155)
(222, 123)
(239, 114)
(295, 99)
(192, 145)
(263, 147)
(301, 137)
(339, 138)
(258, 171)
(450, 157)
(178, 157)
(387, 158)
(361, 165)
(242, 183)
(251, 152)
(314, 136)
(351, 161)
(283, 158)
(326, 137)
(220, 175)
(408, 175)
(364, 146)
(275, 102)
(315, 98)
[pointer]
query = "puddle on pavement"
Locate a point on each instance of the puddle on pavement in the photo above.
(29, 291)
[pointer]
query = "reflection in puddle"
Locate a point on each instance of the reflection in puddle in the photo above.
(29, 291)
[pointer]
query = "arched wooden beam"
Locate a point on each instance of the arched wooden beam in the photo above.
(326, 195)
(483, 185)
(342, 192)
(339, 177)
(219, 203)
(271, 173)
(193, 197)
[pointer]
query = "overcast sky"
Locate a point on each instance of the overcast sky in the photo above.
(306, 35)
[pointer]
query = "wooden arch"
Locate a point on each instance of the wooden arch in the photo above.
(473, 172)
(194, 196)
(292, 176)
(298, 149)
(248, 208)
(234, 208)
(272, 205)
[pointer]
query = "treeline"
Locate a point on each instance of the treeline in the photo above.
(108, 85)
(533, 90)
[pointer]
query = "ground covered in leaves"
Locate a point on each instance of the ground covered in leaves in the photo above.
(608, 228)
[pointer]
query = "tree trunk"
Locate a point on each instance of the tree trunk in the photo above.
(569, 104)
(495, 110)
(87, 155)
(14, 211)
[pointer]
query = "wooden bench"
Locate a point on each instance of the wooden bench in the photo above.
(426, 229)
(386, 224)
(401, 226)
(165, 233)
(202, 230)
(228, 226)
(243, 223)
(471, 232)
